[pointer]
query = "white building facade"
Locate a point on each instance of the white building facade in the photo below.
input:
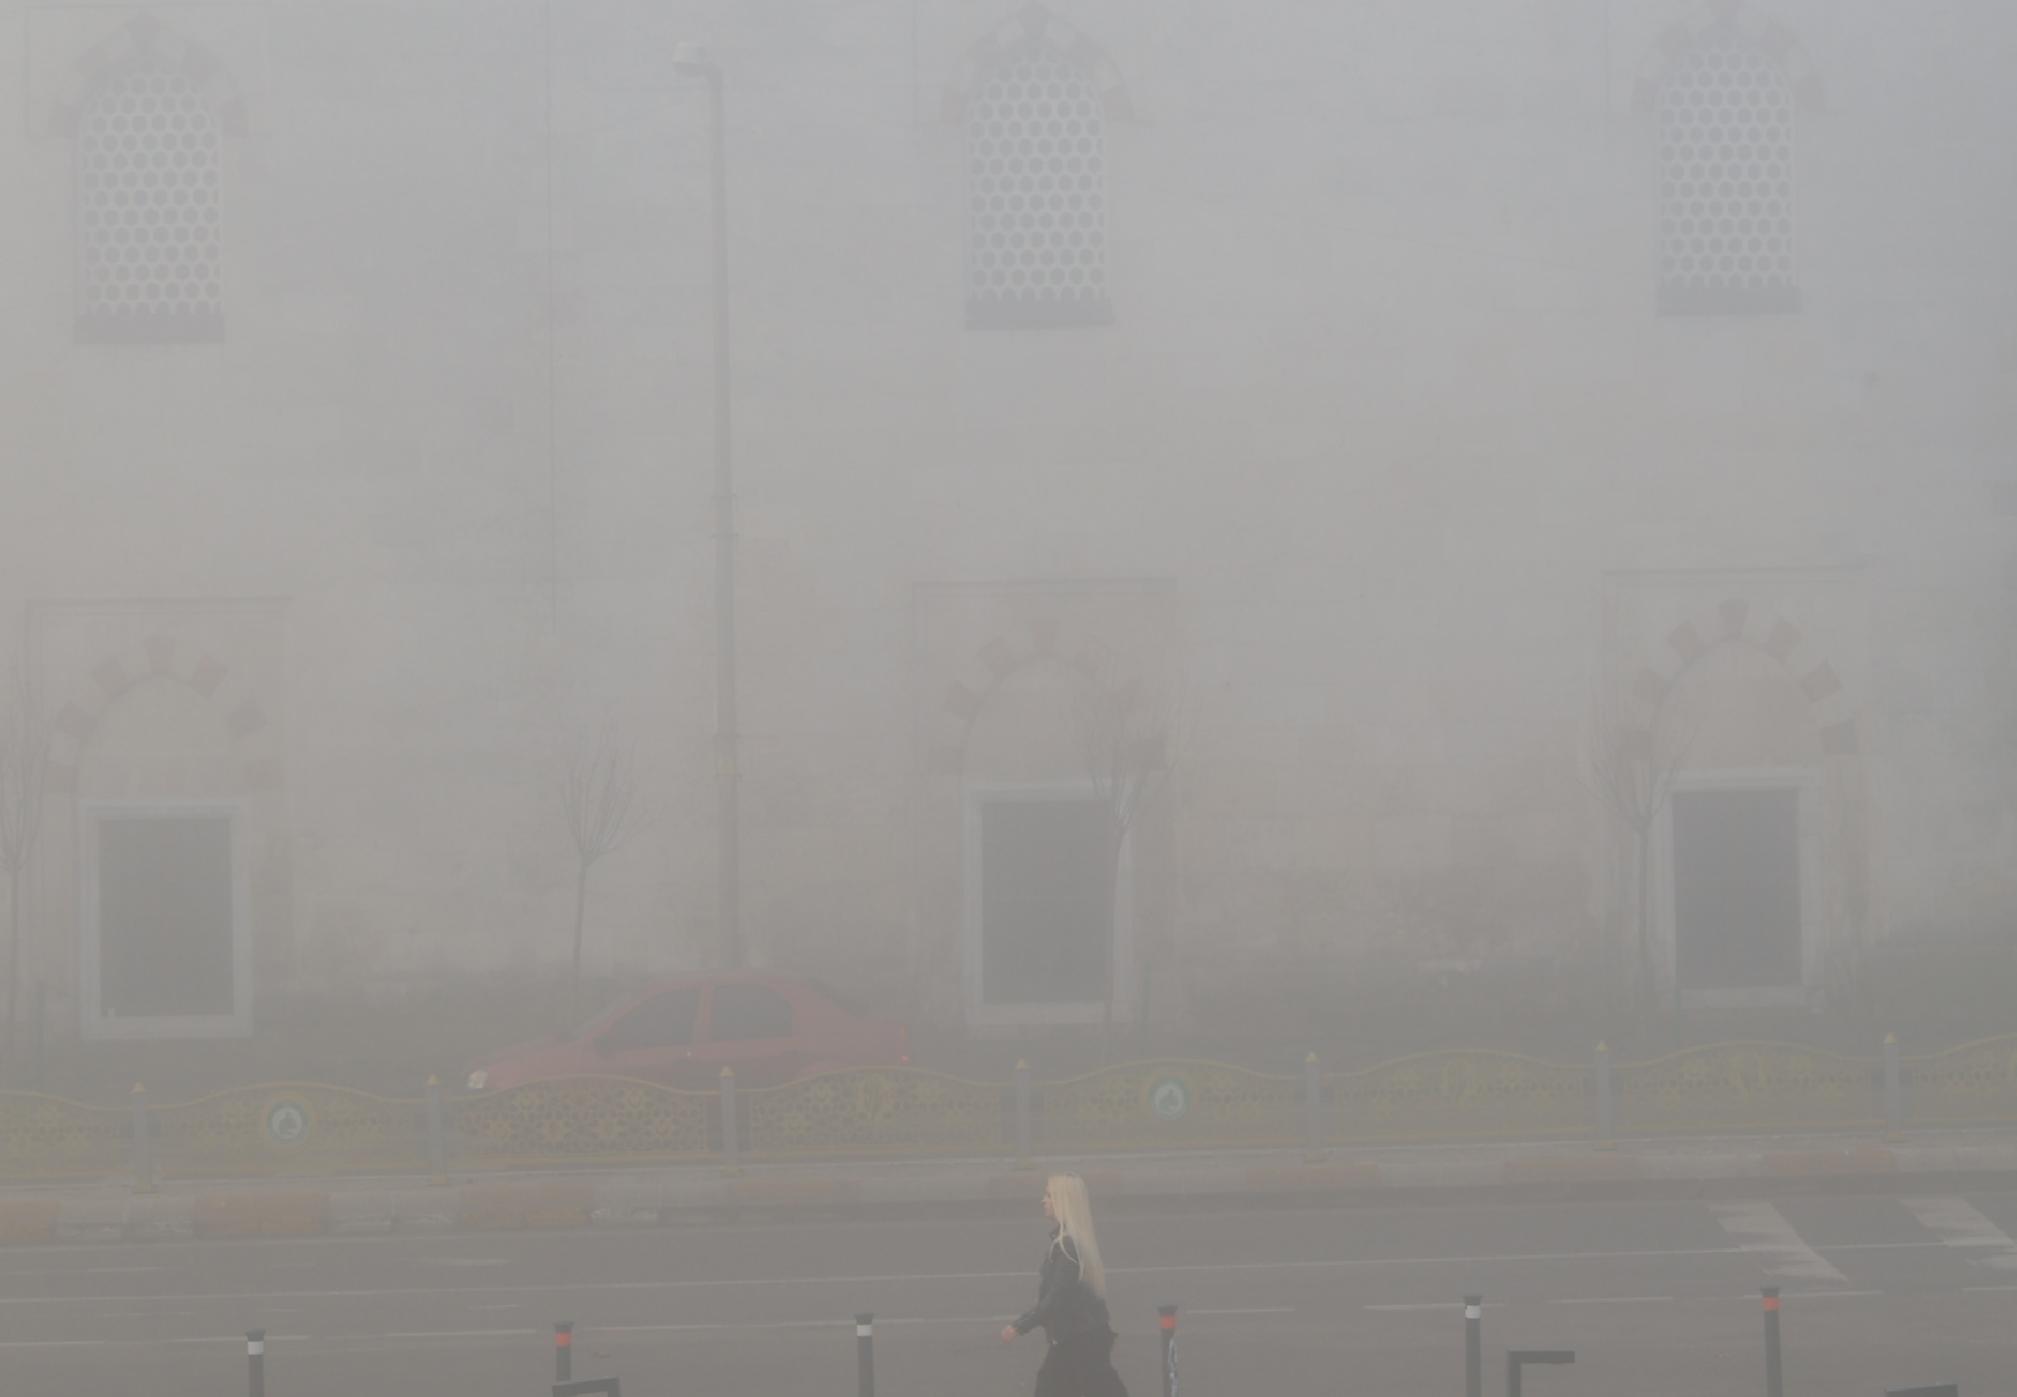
(1409, 441)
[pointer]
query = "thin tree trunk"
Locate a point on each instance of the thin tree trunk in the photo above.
(580, 920)
(13, 967)
(1117, 843)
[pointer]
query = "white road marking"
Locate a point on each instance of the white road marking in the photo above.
(1827, 1295)
(121, 1270)
(1618, 1300)
(1958, 1223)
(465, 1261)
(1189, 1268)
(1762, 1230)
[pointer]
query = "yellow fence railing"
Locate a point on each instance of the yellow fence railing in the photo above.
(1974, 1084)
(579, 1120)
(1167, 1105)
(1744, 1087)
(1462, 1096)
(45, 1138)
(300, 1129)
(881, 1111)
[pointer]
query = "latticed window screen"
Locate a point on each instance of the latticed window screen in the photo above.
(1726, 184)
(1036, 152)
(148, 160)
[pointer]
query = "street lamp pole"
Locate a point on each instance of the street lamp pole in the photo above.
(693, 59)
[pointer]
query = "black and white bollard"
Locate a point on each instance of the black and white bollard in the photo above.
(1775, 1382)
(1474, 1346)
(255, 1362)
(1166, 1315)
(864, 1352)
(563, 1351)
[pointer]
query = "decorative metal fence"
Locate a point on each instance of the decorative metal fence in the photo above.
(1462, 1096)
(301, 1129)
(1167, 1105)
(892, 1111)
(1729, 1088)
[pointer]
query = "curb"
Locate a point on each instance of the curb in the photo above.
(641, 1200)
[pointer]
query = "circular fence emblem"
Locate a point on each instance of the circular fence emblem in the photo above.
(1169, 1099)
(286, 1122)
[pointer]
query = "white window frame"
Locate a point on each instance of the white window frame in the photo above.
(238, 1023)
(979, 1012)
(1805, 784)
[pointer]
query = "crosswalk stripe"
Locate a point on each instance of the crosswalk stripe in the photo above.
(1958, 1223)
(1761, 1229)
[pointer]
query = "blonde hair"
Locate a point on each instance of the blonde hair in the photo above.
(1075, 1221)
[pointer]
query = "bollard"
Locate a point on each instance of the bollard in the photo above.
(1520, 1358)
(864, 1352)
(1775, 1383)
(1024, 1158)
(1606, 1107)
(1313, 1110)
(1167, 1317)
(437, 1153)
(1894, 1090)
(255, 1361)
(563, 1351)
(143, 1142)
(1474, 1346)
(731, 1154)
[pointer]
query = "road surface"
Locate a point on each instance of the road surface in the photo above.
(1659, 1299)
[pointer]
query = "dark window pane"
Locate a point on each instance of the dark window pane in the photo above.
(663, 1021)
(1737, 888)
(1046, 915)
(164, 917)
(750, 1011)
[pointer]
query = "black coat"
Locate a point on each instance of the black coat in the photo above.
(1066, 1307)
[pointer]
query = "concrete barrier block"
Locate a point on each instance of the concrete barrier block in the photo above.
(294, 1212)
(28, 1220)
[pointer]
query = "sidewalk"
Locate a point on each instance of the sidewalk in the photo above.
(367, 1206)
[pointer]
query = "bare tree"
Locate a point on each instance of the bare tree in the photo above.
(1126, 741)
(598, 790)
(24, 766)
(1634, 780)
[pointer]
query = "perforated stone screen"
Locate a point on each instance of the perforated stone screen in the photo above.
(148, 162)
(1726, 184)
(1036, 161)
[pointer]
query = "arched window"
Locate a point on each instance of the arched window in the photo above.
(148, 164)
(1036, 175)
(1726, 114)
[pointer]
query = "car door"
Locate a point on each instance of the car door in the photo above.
(654, 1040)
(751, 1027)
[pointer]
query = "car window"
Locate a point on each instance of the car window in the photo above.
(750, 1011)
(663, 1021)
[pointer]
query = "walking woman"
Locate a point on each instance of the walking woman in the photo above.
(1071, 1305)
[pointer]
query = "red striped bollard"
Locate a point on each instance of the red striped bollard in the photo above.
(1775, 1382)
(1166, 1315)
(563, 1351)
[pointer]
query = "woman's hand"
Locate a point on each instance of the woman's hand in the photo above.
(1009, 1334)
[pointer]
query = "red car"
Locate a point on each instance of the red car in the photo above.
(682, 1032)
